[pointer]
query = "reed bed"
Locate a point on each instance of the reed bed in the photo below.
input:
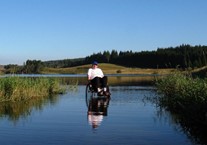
(184, 95)
(17, 88)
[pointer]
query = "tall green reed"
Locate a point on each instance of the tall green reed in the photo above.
(182, 86)
(183, 94)
(17, 88)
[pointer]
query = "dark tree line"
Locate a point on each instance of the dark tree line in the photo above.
(64, 63)
(183, 56)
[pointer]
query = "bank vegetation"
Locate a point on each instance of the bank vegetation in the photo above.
(19, 88)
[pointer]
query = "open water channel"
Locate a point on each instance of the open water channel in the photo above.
(127, 118)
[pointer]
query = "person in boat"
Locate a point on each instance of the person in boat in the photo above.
(98, 80)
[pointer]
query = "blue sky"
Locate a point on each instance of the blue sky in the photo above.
(61, 29)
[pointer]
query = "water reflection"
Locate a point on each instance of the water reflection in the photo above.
(14, 111)
(64, 119)
(192, 125)
(97, 109)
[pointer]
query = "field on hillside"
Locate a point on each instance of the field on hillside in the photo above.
(107, 69)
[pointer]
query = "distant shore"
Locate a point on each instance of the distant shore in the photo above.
(107, 69)
(113, 69)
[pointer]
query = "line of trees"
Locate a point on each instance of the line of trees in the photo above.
(183, 56)
(30, 67)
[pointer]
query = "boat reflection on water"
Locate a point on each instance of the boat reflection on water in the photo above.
(97, 109)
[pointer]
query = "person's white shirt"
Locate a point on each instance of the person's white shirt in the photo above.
(95, 72)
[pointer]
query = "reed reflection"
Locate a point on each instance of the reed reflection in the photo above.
(194, 125)
(14, 111)
(97, 109)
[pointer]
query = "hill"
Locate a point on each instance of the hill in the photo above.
(107, 69)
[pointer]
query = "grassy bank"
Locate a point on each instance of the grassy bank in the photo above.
(186, 99)
(184, 95)
(16, 88)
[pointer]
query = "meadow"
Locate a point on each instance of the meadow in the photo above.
(107, 69)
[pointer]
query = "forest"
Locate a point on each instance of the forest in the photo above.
(184, 56)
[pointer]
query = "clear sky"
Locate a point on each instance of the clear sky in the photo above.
(61, 29)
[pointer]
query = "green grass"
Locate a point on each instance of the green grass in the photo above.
(185, 98)
(17, 88)
(184, 95)
(183, 88)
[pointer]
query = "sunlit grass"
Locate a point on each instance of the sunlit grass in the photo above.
(183, 94)
(107, 69)
(16, 88)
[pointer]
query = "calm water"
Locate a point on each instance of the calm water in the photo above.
(126, 119)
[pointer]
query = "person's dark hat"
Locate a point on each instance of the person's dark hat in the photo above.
(94, 63)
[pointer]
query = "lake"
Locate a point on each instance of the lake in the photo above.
(127, 118)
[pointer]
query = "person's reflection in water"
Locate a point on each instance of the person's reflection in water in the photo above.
(97, 108)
